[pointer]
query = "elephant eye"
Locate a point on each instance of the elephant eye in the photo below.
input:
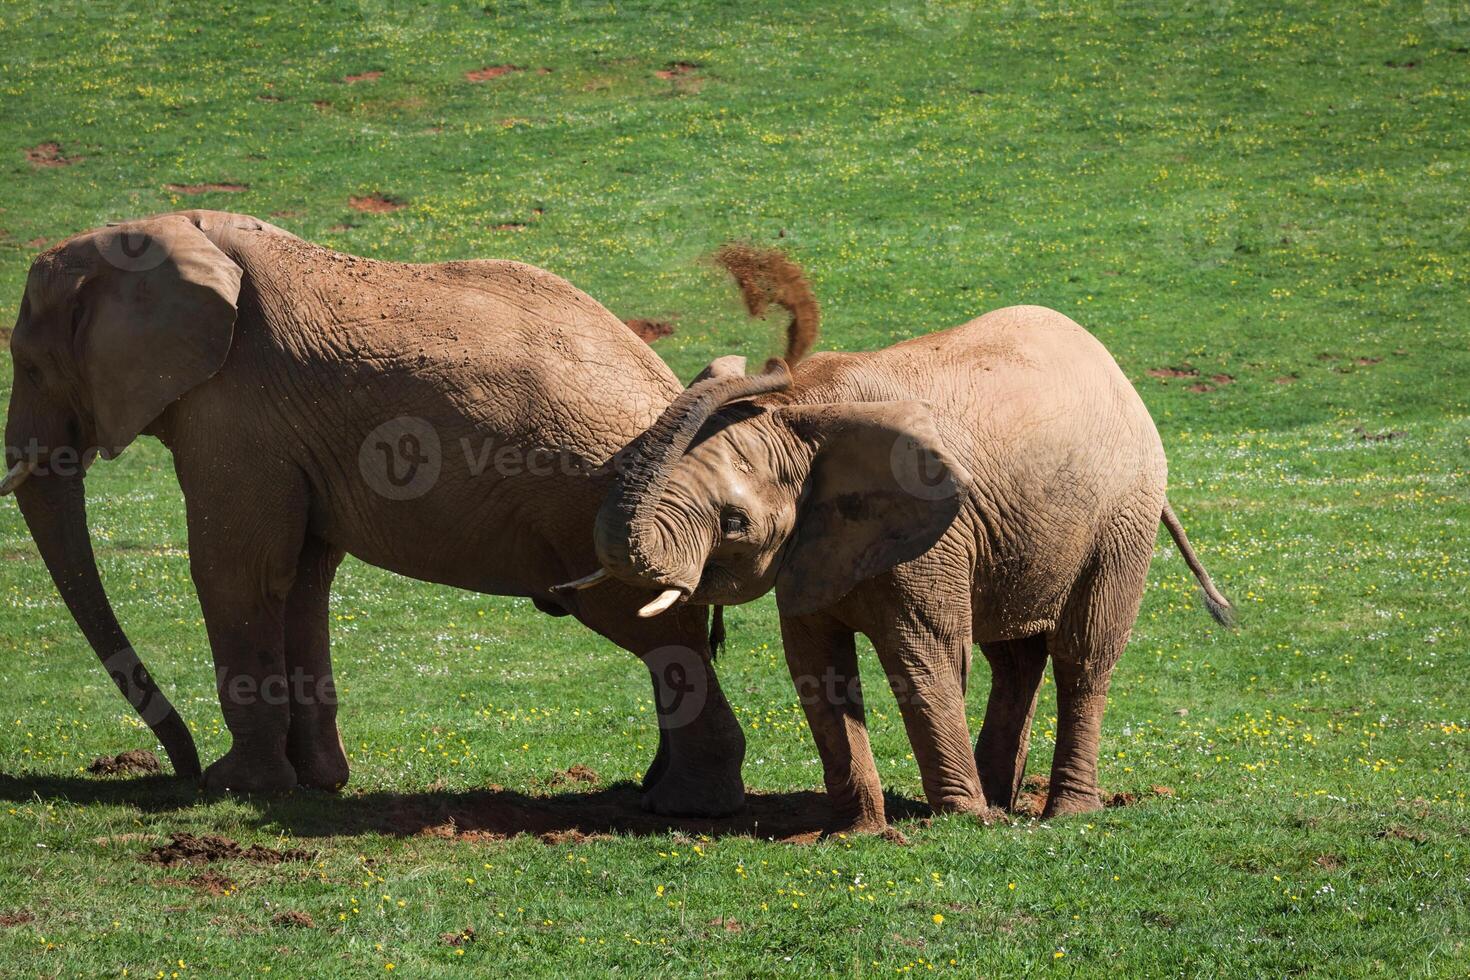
(734, 524)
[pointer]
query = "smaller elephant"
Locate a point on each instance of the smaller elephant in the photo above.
(998, 483)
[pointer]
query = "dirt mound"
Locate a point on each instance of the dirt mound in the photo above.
(207, 188)
(291, 919)
(650, 330)
(578, 773)
(213, 883)
(675, 69)
(464, 937)
(376, 203)
(766, 276)
(490, 71)
(49, 155)
(205, 848)
(16, 917)
(130, 763)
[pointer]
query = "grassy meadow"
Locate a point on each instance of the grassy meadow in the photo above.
(1263, 212)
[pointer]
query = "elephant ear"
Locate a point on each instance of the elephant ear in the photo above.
(882, 490)
(156, 320)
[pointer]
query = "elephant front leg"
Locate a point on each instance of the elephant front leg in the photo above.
(243, 558)
(822, 658)
(248, 640)
(924, 657)
(313, 742)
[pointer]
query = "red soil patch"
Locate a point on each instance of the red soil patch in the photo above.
(729, 925)
(650, 330)
(291, 919)
(49, 155)
(376, 203)
(208, 883)
(766, 276)
(492, 71)
(1201, 387)
(1163, 790)
(1121, 799)
(1183, 371)
(676, 68)
(367, 76)
(1385, 436)
(134, 762)
(207, 188)
(1223, 379)
(577, 774)
(1366, 361)
(205, 848)
(17, 917)
(464, 937)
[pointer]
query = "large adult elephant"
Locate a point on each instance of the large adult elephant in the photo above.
(451, 422)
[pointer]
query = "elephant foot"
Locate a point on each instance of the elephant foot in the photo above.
(1066, 803)
(321, 763)
(961, 804)
(246, 772)
(676, 796)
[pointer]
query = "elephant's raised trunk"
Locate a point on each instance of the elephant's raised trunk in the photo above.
(625, 532)
(55, 510)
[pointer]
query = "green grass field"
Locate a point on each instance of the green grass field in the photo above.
(1273, 207)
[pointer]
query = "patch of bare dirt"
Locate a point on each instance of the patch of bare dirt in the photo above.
(650, 330)
(1121, 799)
(1366, 361)
(321, 104)
(367, 76)
(130, 763)
(292, 919)
(268, 97)
(208, 883)
(1223, 379)
(1182, 371)
(766, 276)
(1400, 832)
(509, 226)
(1163, 790)
(49, 155)
(464, 937)
(225, 188)
(1387, 435)
(1200, 387)
(376, 203)
(677, 68)
(729, 925)
(578, 773)
(16, 917)
(492, 71)
(205, 848)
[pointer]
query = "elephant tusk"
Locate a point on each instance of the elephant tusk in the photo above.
(585, 582)
(666, 599)
(17, 475)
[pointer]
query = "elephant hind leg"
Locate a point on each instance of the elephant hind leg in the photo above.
(313, 742)
(1016, 668)
(1089, 639)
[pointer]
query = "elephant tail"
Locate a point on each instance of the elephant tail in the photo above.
(1215, 601)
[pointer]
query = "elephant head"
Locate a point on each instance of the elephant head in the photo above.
(725, 498)
(115, 325)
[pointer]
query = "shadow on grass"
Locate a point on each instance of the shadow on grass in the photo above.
(482, 814)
